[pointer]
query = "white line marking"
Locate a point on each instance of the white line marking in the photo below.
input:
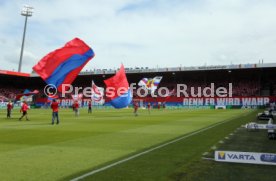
(205, 158)
(150, 150)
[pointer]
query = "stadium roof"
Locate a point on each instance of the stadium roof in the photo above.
(6, 72)
(176, 69)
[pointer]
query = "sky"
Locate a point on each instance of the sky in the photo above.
(142, 33)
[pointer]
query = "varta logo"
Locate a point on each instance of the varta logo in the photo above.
(221, 155)
(240, 157)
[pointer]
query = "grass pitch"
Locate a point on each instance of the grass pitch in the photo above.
(241, 140)
(37, 150)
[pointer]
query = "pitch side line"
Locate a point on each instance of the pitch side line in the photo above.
(149, 150)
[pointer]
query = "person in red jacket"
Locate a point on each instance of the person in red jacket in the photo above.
(9, 108)
(23, 110)
(135, 106)
(76, 108)
(54, 107)
(149, 107)
(90, 107)
(159, 105)
(73, 106)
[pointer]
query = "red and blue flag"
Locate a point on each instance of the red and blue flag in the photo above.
(26, 93)
(63, 65)
(118, 93)
(52, 97)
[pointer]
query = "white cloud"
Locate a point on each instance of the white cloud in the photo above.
(143, 33)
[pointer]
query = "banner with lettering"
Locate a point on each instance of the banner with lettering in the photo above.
(246, 157)
(191, 101)
(215, 101)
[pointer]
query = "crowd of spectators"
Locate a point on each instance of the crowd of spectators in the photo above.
(9, 93)
(241, 88)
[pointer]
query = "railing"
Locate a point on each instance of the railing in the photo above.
(174, 69)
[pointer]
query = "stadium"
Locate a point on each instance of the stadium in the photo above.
(137, 90)
(175, 143)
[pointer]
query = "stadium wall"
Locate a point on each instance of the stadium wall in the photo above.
(185, 101)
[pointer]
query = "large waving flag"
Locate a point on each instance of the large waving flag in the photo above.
(26, 94)
(97, 93)
(51, 97)
(118, 93)
(63, 65)
(150, 84)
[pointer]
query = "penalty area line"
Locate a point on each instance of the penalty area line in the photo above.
(149, 150)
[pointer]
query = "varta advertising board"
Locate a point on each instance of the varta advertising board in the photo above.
(246, 157)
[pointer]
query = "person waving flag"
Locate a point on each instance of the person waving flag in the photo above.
(97, 94)
(63, 65)
(118, 93)
(150, 84)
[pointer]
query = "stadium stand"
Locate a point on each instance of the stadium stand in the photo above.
(248, 80)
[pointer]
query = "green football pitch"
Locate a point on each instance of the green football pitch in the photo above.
(37, 150)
